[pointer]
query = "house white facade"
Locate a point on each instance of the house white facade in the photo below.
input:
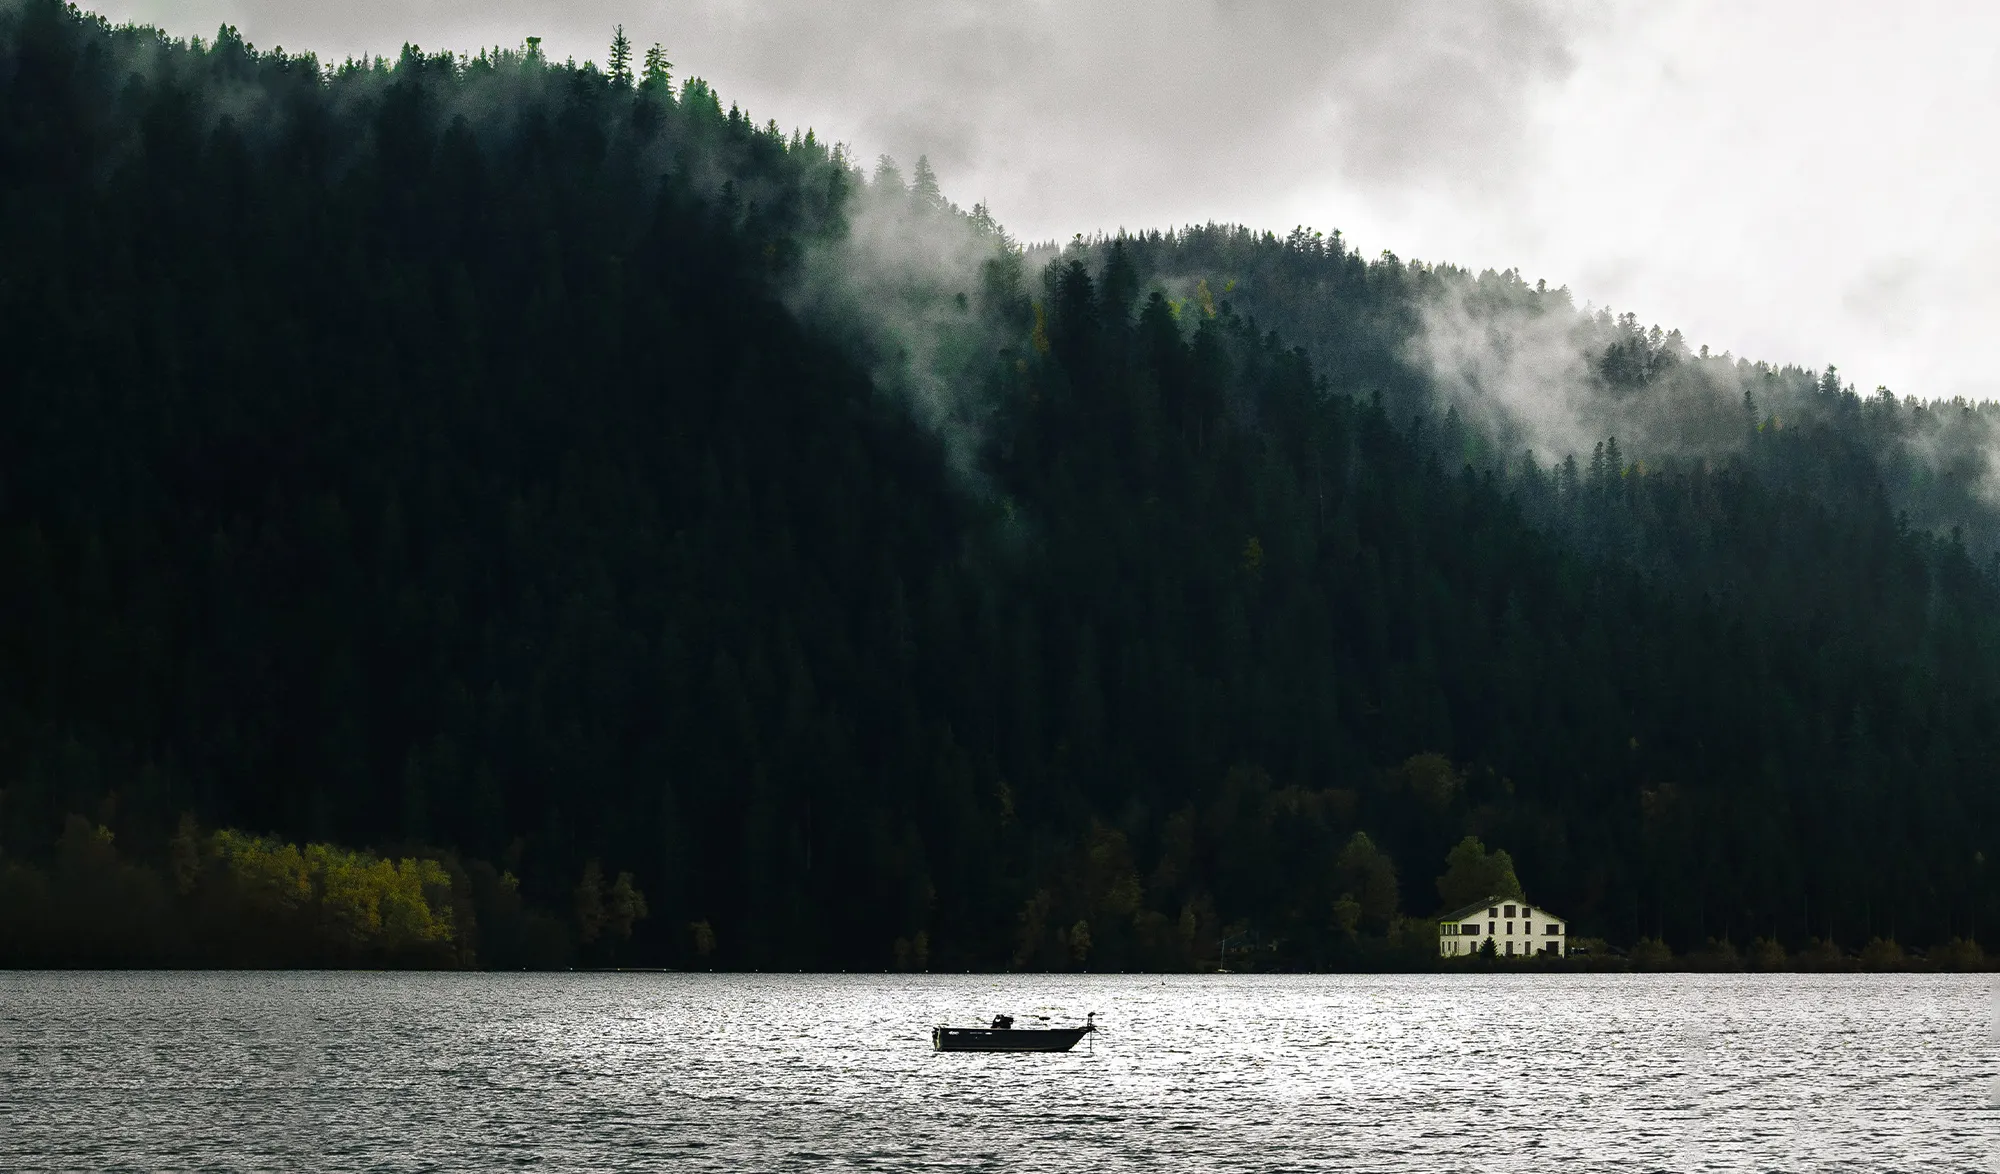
(1515, 928)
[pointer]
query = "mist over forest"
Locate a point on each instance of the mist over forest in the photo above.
(480, 510)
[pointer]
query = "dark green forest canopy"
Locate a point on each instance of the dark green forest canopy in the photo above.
(533, 472)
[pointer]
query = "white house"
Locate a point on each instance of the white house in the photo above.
(1513, 926)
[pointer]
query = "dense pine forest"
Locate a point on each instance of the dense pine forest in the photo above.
(485, 510)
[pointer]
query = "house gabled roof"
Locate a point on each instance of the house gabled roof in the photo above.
(1477, 906)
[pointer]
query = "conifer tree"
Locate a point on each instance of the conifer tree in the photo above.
(658, 77)
(924, 184)
(621, 59)
(888, 177)
(588, 898)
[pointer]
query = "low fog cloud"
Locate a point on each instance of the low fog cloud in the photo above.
(904, 284)
(1521, 376)
(1527, 369)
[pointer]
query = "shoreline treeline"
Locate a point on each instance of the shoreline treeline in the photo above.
(228, 900)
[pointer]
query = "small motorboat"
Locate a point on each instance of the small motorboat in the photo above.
(1003, 1036)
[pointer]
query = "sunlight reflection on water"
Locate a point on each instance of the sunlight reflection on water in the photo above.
(631, 1071)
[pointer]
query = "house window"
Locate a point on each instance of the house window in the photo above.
(1510, 927)
(1493, 912)
(1489, 927)
(1510, 911)
(1510, 948)
(1470, 927)
(1552, 930)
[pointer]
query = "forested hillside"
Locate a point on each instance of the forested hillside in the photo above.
(635, 534)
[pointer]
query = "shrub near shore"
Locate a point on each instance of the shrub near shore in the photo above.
(229, 898)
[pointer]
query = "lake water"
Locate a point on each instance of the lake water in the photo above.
(338, 1071)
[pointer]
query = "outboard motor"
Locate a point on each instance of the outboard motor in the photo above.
(1002, 1022)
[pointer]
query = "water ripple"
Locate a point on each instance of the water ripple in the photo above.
(343, 1071)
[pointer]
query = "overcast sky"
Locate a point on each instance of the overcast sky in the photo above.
(1805, 182)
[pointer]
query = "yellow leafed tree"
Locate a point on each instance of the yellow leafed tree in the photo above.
(367, 901)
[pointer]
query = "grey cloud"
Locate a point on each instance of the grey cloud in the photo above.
(1115, 99)
(1455, 104)
(1883, 290)
(1050, 109)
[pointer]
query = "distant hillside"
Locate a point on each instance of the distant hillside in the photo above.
(648, 536)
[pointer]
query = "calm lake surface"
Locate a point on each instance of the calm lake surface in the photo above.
(339, 1071)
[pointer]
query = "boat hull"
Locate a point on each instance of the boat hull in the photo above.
(1030, 1039)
